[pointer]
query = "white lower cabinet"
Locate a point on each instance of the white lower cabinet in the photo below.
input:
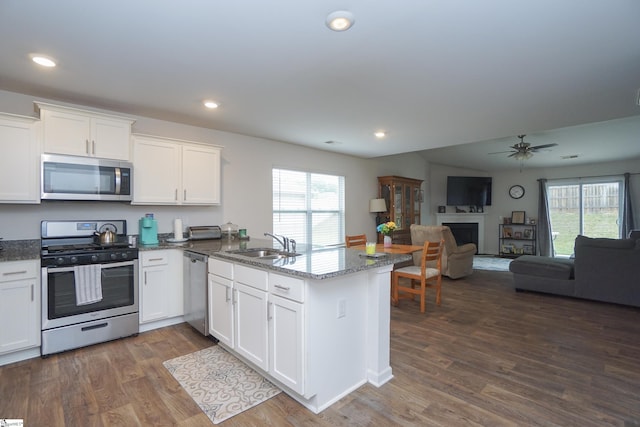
(160, 284)
(221, 309)
(286, 342)
(19, 305)
(260, 316)
(251, 314)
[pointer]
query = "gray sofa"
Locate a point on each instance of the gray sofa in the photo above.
(602, 270)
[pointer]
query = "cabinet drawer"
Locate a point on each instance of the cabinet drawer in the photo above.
(18, 270)
(286, 287)
(221, 268)
(152, 258)
(252, 277)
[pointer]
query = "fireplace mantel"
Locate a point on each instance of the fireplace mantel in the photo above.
(466, 218)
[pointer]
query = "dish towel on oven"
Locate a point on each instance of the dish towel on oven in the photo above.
(88, 280)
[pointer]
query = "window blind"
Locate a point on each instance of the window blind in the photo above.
(308, 207)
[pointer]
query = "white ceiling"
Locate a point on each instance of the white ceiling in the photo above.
(432, 73)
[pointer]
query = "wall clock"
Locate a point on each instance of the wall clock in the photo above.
(516, 191)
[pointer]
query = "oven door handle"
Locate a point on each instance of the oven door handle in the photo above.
(102, 266)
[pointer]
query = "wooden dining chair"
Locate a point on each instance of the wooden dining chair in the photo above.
(427, 275)
(358, 240)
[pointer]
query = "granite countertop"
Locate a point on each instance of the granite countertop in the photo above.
(314, 262)
(20, 250)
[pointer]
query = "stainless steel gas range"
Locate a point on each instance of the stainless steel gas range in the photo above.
(89, 288)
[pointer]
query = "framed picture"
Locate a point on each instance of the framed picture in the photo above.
(442, 209)
(517, 217)
(528, 233)
(528, 249)
(507, 232)
(518, 234)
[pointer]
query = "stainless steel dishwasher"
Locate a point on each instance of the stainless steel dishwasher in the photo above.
(195, 291)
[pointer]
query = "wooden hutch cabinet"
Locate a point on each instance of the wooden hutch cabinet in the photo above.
(403, 197)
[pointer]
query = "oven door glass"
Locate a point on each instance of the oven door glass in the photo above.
(118, 290)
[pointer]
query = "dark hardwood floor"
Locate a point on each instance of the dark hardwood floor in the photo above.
(488, 356)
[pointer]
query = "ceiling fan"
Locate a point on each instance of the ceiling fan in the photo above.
(523, 150)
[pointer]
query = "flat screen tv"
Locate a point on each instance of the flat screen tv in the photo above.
(468, 191)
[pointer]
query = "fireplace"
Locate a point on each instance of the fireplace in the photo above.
(464, 232)
(465, 218)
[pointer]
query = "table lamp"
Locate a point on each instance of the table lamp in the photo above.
(377, 206)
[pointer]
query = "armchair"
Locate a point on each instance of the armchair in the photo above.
(457, 261)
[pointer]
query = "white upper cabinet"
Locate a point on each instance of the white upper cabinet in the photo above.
(174, 172)
(200, 175)
(19, 171)
(85, 133)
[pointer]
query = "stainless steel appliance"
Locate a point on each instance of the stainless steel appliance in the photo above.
(204, 232)
(85, 178)
(195, 291)
(89, 288)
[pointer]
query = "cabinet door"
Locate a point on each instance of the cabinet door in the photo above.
(154, 287)
(156, 175)
(286, 342)
(19, 172)
(200, 175)
(221, 309)
(66, 133)
(110, 138)
(19, 306)
(251, 324)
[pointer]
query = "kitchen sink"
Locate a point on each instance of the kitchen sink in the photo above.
(264, 253)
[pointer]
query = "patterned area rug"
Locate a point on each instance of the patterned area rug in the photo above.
(491, 262)
(219, 383)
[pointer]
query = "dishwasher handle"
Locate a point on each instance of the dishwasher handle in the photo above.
(195, 257)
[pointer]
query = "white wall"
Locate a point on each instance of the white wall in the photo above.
(246, 182)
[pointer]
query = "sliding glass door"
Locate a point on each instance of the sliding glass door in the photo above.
(589, 207)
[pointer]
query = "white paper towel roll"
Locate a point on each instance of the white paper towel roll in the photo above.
(177, 229)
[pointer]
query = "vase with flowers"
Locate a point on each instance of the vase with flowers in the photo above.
(386, 228)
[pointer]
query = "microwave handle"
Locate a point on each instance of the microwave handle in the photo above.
(118, 175)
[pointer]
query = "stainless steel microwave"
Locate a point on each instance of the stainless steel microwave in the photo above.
(85, 178)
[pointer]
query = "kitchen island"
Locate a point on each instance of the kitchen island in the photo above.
(316, 324)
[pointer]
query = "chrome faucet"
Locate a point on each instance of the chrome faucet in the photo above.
(284, 242)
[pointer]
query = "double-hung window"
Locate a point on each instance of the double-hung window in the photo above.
(589, 206)
(308, 207)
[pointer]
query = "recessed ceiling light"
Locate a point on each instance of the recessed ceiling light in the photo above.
(211, 104)
(380, 134)
(43, 60)
(340, 20)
